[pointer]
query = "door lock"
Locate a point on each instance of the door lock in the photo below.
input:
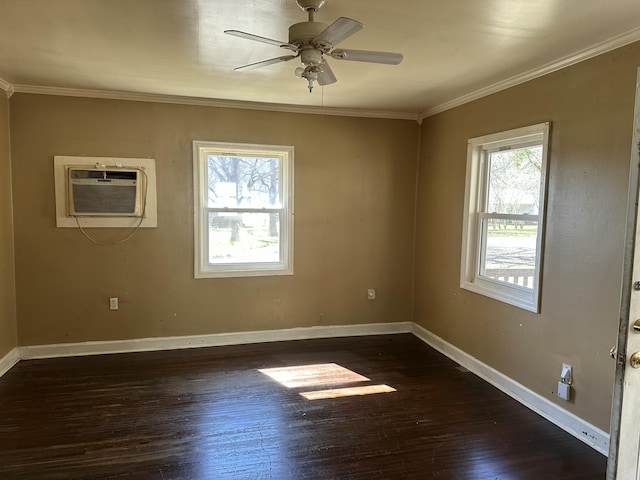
(636, 326)
(635, 360)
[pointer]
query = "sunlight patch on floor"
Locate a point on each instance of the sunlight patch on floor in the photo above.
(313, 375)
(347, 392)
(324, 374)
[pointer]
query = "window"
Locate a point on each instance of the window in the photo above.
(504, 215)
(243, 209)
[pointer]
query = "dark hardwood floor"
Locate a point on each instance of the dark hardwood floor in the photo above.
(210, 413)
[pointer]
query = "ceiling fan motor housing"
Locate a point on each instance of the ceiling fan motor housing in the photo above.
(301, 34)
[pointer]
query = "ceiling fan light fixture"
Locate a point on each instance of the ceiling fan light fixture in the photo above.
(310, 74)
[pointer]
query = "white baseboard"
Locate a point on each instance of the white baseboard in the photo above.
(213, 340)
(9, 360)
(579, 428)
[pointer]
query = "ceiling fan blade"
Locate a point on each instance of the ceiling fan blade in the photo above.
(325, 75)
(339, 30)
(264, 63)
(258, 38)
(387, 58)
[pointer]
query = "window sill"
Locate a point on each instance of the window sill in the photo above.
(518, 297)
(202, 273)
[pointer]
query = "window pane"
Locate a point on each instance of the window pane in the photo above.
(514, 181)
(244, 237)
(243, 182)
(509, 251)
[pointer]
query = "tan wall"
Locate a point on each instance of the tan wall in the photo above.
(8, 339)
(590, 106)
(354, 226)
(354, 201)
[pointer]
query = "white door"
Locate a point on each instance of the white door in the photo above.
(624, 450)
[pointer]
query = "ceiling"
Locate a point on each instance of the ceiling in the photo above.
(454, 51)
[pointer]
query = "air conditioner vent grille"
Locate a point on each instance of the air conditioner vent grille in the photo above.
(102, 192)
(94, 199)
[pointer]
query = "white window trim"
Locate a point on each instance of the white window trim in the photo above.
(528, 299)
(202, 269)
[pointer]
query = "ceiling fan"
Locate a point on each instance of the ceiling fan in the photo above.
(312, 41)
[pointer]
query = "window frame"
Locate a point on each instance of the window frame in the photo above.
(202, 267)
(476, 189)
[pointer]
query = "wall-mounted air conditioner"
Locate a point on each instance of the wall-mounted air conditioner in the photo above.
(104, 192)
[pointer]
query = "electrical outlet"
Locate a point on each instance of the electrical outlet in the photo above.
(564, 391)
(113, 303)
(371, 294)
(566, 379)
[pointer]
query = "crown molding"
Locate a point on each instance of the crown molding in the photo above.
(212, 102)
(577, 57)
(7, 87)
(580, 56)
